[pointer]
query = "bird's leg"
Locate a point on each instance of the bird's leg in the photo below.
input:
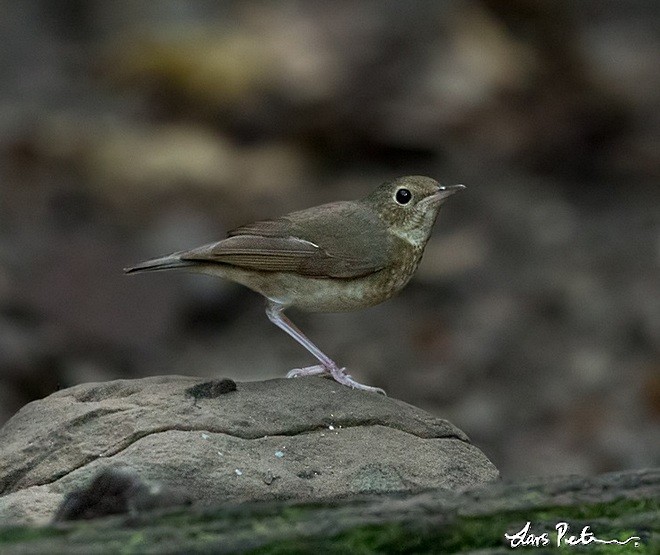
(307, 371)
(275, 315)
(274, 311)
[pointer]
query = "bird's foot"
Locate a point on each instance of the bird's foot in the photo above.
(340, 375)
(307, 371)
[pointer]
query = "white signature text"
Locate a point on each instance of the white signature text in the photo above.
(524, 537)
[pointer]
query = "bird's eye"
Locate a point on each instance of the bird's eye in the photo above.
(403, 196)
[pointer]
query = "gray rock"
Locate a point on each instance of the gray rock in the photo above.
(116, 491)
(305, 439)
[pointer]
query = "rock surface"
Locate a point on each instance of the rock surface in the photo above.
(304, 440)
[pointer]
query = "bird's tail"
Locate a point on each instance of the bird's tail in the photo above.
(164, 263)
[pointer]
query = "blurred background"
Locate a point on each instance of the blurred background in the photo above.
(133, 129)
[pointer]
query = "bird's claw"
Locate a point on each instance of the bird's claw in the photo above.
(307, 371)
(338, 374)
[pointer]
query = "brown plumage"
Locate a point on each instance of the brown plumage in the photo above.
(334, 257)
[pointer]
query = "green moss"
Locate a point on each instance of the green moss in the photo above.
(134, 543)
(274, 529)
(482, 532)
(20, 534)
(388, 538)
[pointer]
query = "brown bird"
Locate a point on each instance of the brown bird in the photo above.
(335, 257)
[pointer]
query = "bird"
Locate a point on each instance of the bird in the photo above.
(336, 257)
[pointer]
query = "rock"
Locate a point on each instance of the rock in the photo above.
(115, 491)
(304, 439)
(620, 506)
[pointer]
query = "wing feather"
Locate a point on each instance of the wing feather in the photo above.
(309, 242)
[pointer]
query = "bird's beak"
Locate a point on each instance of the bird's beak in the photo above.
(445, 191)
(437, 198)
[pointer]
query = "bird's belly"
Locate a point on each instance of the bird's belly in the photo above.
(320, 294)
(338, 295)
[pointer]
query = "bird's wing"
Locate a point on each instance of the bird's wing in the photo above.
(325, 241)
(268, 254)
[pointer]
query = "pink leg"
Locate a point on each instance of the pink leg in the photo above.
(274, 311)
(307, 371)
